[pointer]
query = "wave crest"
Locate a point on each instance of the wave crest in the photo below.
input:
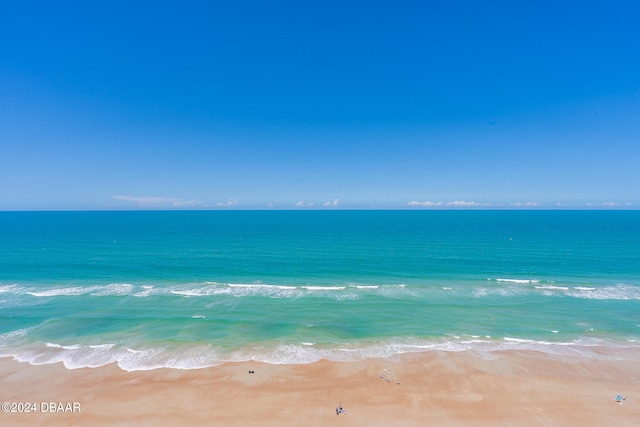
(196, 356)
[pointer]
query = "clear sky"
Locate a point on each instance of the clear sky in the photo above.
(319, 104)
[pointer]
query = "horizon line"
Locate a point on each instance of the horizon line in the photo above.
(431, 209)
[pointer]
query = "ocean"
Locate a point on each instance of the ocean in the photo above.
(191, 289)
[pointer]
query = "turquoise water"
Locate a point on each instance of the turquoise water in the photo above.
(191, 289)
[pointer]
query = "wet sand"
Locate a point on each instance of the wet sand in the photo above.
(427, 389)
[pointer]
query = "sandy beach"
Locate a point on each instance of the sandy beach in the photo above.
(434, 389)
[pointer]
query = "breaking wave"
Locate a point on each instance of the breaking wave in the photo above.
(502, 287)
(196, 356)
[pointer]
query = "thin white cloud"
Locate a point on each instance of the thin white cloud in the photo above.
(472, 204)
(302, 204)
(227, 204)
(333, 202)
(151, 202)
(609, 205)
(465, 204)
(455, 204)
(425, 204)
(525, 204)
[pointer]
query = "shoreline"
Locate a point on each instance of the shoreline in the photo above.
(510, 388)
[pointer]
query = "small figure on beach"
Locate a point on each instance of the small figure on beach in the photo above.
(252, 371)
(339, 409)
(619, 399)
(386, 375)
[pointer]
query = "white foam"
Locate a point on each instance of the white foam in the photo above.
(517, 280)
(12, 335)
(243, 285)
(475, 341)
(207, 289)
(204, 289)
(235, 289)
(71, 347)
(8, 288)
(114, 289)
(194, 356)
(189, 293)
(60, 292)
(520, 340)
(502, 291)
(260, 286)
(618, 292)
(102, 346)
(146, 291)
(552, 288)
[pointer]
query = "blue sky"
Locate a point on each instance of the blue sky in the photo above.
(319, 105)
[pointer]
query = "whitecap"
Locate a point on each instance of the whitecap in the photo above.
(520, 340)
(113, 289)
(618, 292)
(198, 356)
(247, 285)
(146, 291)
(60, 292)
(190, 293)
(8, 288)
(517, 280)
(101, 346)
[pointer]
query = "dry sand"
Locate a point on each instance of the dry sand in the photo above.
(436, 389)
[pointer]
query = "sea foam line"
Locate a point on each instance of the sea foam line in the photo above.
(521, 281)
(195, 356)
(349, 291)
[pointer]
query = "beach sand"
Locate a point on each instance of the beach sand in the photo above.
(427, 389)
